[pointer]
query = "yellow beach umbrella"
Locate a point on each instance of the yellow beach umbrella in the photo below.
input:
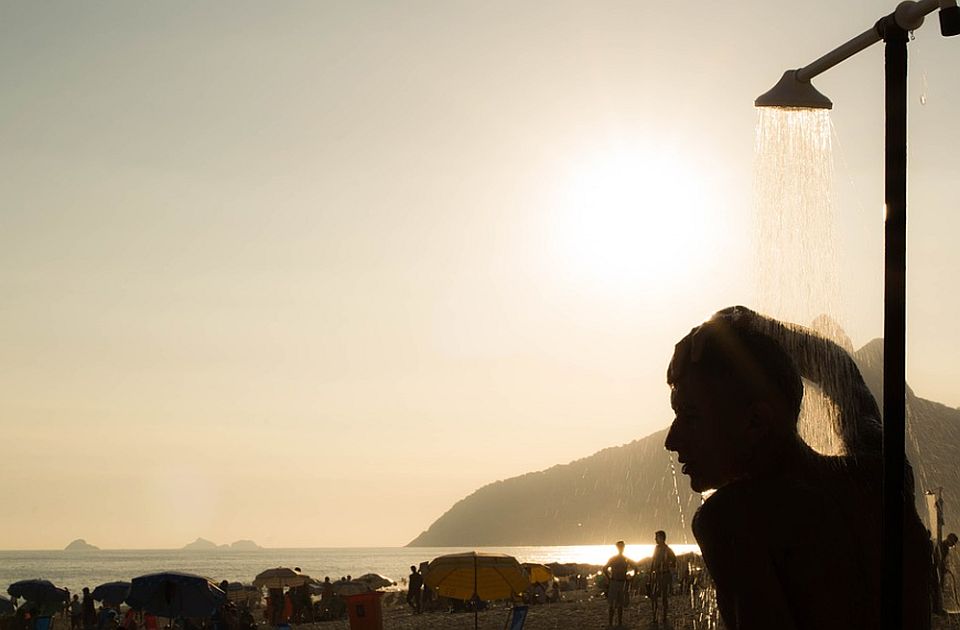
(538, 572)
(476, 576)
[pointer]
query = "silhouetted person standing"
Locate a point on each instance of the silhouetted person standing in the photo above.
(89, 610)
(415, 582)
(662, 566)
(616, 572)
(948, 568)
(76, 612)
(426, 595)
(943, 551)
(791, 537)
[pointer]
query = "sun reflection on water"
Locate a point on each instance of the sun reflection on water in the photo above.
(588, 554)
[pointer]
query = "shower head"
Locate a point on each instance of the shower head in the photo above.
(792, 92)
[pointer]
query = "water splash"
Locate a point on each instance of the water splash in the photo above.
(797, 256)
(676, 493)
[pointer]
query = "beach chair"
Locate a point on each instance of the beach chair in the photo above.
(518, 615)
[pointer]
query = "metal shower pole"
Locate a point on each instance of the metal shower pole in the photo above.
(894, 323)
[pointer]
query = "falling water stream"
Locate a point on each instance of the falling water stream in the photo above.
(798, 268)
(676, 493)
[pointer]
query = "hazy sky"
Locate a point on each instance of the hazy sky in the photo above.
(309, 272)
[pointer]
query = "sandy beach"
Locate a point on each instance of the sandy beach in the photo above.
(580, 609)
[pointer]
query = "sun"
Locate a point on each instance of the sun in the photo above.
(632, 219)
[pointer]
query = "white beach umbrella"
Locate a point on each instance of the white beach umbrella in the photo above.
(281, 577)
(375, 580)
(352, 587)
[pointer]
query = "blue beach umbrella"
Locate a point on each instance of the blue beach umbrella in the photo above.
(42, 592)
(172, 594)
(111, 592)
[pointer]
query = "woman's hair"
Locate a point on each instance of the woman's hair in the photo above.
(749, 364)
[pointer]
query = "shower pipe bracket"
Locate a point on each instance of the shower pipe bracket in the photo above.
(908, 16)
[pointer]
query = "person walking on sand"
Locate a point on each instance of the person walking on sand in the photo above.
(662, 566)
(616, 571)
(789, 536)
(415, 581)
(76, 612)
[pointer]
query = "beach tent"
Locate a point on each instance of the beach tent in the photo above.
(538, 572)
(281, 577)
(41, 592)
(475, 576)
(172, 594)
(111, 592)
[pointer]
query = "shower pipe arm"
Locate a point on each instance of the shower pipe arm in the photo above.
(908, 16)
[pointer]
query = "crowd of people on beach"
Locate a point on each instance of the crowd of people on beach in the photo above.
(247, 607)
(81, 613)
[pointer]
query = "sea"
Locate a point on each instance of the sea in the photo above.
(76, 569)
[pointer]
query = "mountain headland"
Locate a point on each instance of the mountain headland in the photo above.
(630, 491)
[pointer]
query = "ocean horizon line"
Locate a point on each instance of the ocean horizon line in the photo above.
(228, 549)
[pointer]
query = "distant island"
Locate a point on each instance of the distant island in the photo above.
(244, 545)
(81, 545)
(202, 544)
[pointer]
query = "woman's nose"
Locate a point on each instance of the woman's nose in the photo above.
(672, 443)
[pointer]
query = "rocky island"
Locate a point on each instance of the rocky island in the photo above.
(81, 545)
(202, 544)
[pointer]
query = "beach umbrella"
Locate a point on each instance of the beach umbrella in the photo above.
(280, 577)
(350, 587)
(243, 593)
(173, 595)
(237, 592)
(111, 592)
(538, 572)
(375, 580)
(6, 606)
(42, 592)
(476, 576)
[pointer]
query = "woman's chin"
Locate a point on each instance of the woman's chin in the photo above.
(699, 484)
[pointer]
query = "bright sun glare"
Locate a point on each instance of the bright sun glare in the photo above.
(633, 220)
